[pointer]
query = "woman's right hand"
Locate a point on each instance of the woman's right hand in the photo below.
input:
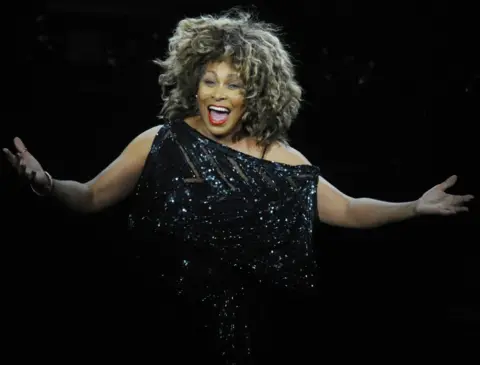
(27, 166)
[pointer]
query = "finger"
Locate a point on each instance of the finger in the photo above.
(449, 182)
(22, 167)
(454, 210)
(465, 198)
(19, 145)
(448, 211)
(460, 199)
(19, 158)
(10, 157)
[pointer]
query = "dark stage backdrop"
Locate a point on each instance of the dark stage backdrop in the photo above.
(391, 108)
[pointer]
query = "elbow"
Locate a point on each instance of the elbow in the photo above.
(90, 201)
(354, 218)
(358, 217)
(341, 215)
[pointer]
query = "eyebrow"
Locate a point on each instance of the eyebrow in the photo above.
(229, 75)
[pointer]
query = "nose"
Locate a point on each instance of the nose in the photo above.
(218, 93)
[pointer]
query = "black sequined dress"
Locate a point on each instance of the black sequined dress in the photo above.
(227, 227)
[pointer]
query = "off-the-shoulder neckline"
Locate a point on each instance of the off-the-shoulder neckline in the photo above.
(240, 154)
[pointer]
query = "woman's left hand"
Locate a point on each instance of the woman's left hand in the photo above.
(437, 201)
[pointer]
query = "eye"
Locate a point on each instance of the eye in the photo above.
(208, 82)
(234, 86)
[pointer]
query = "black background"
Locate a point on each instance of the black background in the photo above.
(391, 108)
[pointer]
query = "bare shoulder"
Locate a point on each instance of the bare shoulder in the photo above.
(149, 134)
(142, 143)
(283, 153)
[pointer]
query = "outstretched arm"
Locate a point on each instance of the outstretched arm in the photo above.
(108, 188)
(338, 209)
(371, 213)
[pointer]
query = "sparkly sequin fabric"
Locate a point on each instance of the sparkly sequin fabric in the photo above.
(235, 223)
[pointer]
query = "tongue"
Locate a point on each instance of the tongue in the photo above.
(218, 116)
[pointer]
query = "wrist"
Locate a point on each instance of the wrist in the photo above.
(414, 208)
(43, 189)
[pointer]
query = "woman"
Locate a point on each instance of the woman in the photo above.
(228, 204)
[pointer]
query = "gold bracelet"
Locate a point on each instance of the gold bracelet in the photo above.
(50, 186)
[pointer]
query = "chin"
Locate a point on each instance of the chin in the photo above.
(219, 130)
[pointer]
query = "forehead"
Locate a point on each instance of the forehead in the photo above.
(223, 68)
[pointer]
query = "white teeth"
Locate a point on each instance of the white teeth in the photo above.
(219, 109)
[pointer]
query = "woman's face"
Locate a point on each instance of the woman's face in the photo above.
(221, 99)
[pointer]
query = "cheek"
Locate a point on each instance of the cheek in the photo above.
(202, 94)
(239, 102)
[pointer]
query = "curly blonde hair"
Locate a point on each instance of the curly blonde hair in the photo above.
(272, 94)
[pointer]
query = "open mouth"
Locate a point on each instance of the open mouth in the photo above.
(218, 114)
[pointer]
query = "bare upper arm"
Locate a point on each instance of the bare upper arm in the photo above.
(118, 180)
(332, 204)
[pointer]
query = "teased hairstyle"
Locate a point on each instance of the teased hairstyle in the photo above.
(272, 94)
